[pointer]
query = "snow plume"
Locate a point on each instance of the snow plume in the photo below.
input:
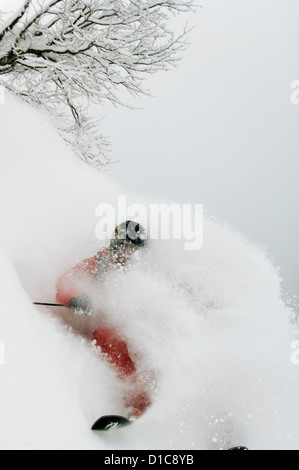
(208, 329)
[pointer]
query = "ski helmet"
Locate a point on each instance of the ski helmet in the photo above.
(129, 232)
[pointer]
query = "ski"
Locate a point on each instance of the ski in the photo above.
(238, 448)
(112, 422)
(109, 422)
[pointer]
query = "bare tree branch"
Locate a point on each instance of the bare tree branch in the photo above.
(60, 54)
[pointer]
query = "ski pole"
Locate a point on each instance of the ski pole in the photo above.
(50, 305)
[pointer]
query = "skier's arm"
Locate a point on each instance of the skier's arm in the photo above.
(70, 287)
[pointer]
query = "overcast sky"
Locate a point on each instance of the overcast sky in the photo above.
(221, 129)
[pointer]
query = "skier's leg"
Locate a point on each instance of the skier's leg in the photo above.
(116, 351)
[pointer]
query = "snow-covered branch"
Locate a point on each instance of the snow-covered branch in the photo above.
(12, 21)
(56, 53)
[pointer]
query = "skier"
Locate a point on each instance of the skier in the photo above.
(72, 291)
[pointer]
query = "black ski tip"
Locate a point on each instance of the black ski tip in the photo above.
(238, 448)
(104, 423)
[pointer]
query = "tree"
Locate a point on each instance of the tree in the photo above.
(63, 54)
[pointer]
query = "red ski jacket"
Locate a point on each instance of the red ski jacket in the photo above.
(71, 284)
(113, 347)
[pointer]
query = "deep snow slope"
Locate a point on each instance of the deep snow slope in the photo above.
(208, 329)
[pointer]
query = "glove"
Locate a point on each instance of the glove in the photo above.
(81, 305)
